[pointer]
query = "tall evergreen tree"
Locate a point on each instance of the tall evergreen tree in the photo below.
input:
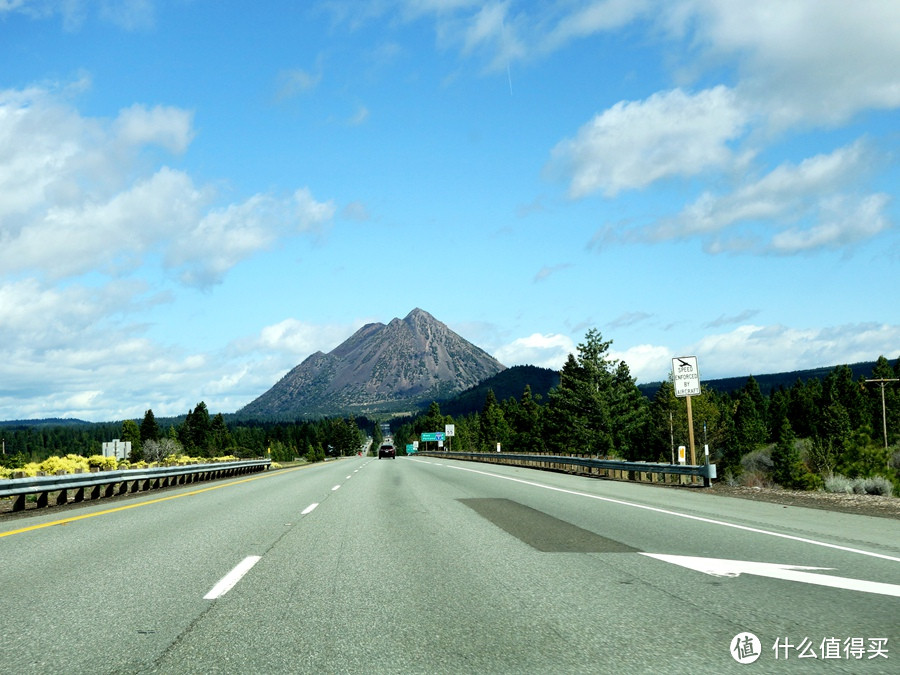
(492, 425)
(219, 436)
(149, 427)
(579, 417)
(750, 429)
(787, 469)
(200, 429)
(840, 387)
(132, 433)
(630, 415)
(524, 418)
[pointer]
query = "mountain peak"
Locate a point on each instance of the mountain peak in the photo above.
(380, 368)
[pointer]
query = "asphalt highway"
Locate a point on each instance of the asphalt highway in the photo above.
(423, 565)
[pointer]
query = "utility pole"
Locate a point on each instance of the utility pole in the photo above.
(883, 381)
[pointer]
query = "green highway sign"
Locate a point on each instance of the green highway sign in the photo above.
(432, 436)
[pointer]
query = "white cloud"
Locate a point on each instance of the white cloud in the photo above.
(296, 81)
(66, 208)
(844, 221)
(298, 339)
(166, 126)
(361, 115)
(549, 270)
(803, 60)
(129, 15)
(85, 220)
(311, 213)
(797, 61)
(753, 350)
(644, 361)
(636, 143)
(583, 20)
(546, 351)
(794, 208)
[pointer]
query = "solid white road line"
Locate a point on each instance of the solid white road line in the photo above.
(230, 579)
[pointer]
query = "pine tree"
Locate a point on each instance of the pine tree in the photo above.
(131, 433)
(787, 468)
(492, 425)
(579, 417)
(149, 427)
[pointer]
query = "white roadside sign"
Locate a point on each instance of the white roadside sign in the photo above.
(686, 376)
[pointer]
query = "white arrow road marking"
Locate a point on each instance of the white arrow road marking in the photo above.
(733, 568)
(229, 580)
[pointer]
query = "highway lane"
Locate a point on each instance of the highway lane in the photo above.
(423, 565)
(109, 586)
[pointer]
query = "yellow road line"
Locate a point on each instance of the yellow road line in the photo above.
(66, 521)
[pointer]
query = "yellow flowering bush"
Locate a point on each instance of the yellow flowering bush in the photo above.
(31, 469)
(177, 460)
(54, 465)
(104, 463)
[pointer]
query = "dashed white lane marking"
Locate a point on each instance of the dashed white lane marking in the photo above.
(229, 580)
(309, 509)
(336, 487)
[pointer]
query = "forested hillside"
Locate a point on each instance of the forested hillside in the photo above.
(795, 436)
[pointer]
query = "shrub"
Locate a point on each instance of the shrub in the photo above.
(755, 479)
(31, 469)
(757, 461)
(69, 464)
(877, 485)
(839, 484)
(811, 481)
(104, 463)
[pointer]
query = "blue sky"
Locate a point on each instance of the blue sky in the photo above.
(195, 196)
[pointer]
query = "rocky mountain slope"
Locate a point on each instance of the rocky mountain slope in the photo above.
(380, 368)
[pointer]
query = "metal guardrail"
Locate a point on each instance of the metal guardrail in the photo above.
(705, 471)
(120, 481)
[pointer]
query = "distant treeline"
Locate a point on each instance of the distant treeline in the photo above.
(196, 434)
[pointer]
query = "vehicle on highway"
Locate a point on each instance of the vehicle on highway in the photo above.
(386, 450)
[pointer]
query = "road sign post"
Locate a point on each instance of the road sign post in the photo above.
(686, 379)
(432, 436)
